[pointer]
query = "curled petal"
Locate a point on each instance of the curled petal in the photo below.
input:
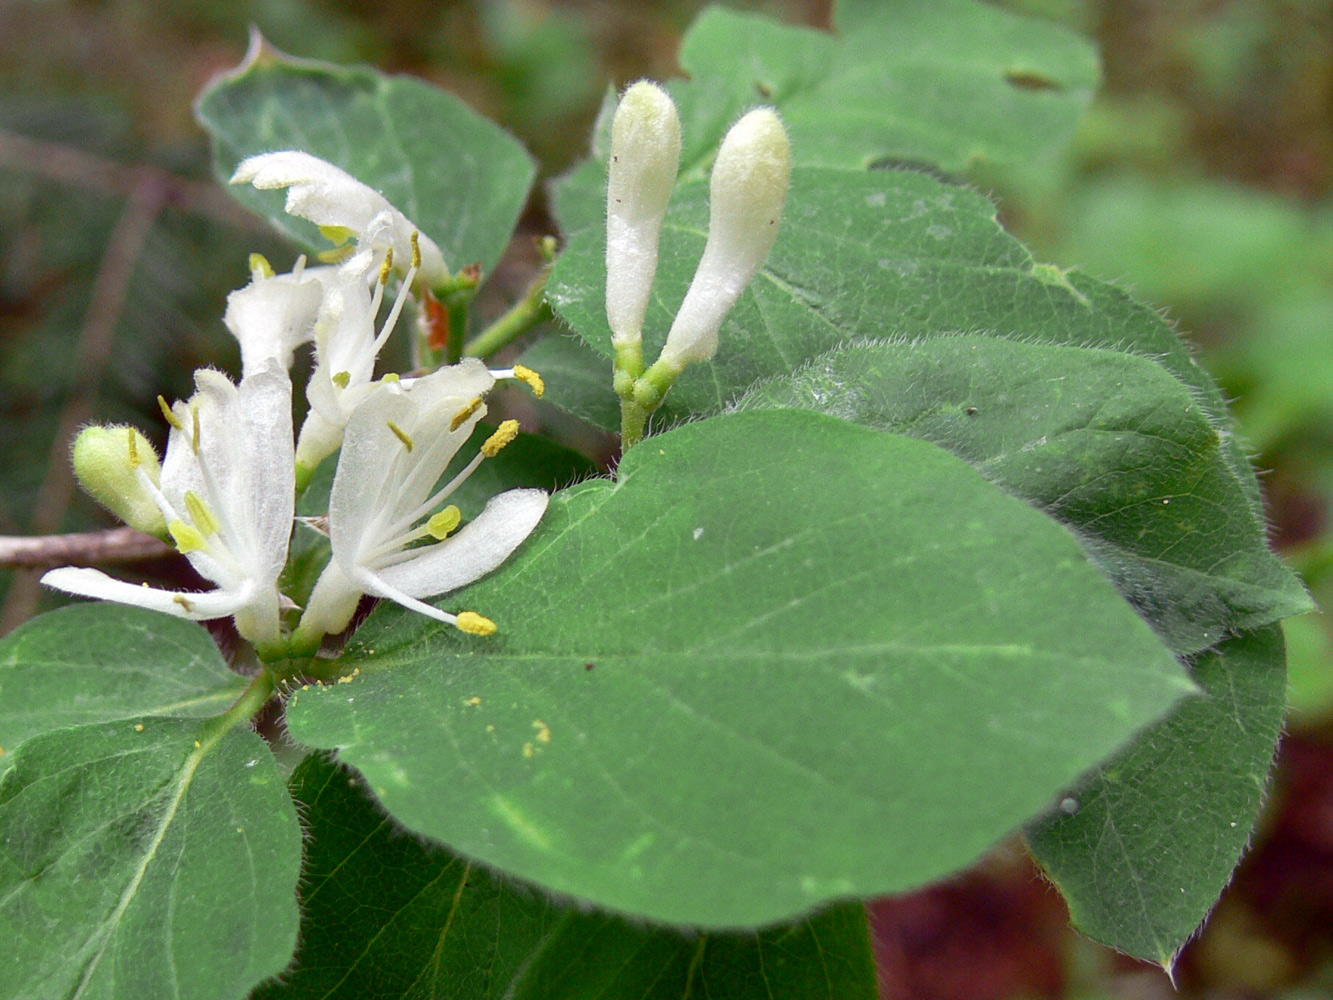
(182, 604)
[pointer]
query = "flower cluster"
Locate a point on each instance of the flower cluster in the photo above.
(225, 491)
(747, 192)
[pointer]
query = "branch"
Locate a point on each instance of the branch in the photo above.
(94, 548)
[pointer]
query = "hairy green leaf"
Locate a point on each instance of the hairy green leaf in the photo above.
(457, 175)
(1143, 847)
(1108, 443)
(99, 662)
(388, 915)
(149, 859)
(726, 691)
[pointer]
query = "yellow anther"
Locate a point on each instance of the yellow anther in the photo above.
(531, 379)
(386, 268)
(337, 255)
(461, 417)
(401, 434)
(188, 606)
(194, 440)
(505, 433)
(170, 415)
(444, 522)
(204, 519)
(337, 235)
(475, 624)
(416, 248)
(187, 537)
(342, 379)
(390, 377)
(260, 267)
(134, 448)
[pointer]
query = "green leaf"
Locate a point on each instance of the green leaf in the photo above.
(578, 379)
(1155, 835)
(881, 254)
(100, 662)
(386, 915)
(149, 859)
(1105, 442)
(941, 82)
(723, 694)
(457, 175)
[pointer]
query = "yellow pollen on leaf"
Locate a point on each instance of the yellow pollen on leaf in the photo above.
(475, 624)
(337, 235)
(416, 248)
(260, 267)
(505, 433)
(170, 415)
(204, 519)
(531, 379)
(462, 415)
(401, 434)
(445, 521)
(134, 448)
(187, 537)
(386, 268)
(342, 379)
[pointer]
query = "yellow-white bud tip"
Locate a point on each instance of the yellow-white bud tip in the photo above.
(475, 624)
(645, 155)
(747, 195)
(109, 463)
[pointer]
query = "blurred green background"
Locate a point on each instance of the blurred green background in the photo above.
(1202, 179)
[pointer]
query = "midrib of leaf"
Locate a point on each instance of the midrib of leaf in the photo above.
(696, 960)
(186, 776)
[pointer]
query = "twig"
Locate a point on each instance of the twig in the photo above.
(521, 317)
(110, 287)
(93, 548)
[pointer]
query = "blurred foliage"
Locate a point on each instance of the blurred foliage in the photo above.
(1203, 178)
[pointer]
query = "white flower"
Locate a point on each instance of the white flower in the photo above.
(346, 346)
(645, 154)
(746, 197)
(397, 445)
(342, 207)
(227, 494)
(274, 314)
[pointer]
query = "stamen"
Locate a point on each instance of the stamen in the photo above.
(416, 249)
(444, 522)
(391, 320)
(187, 537)
(204, 519)
(170, 415)
(475, 624)
(531, 379)
(299, 268)
(336, 255)
(180, 599)
(401, 434)
(260, 267)
(505, 433)
(342, 379)
(390, 377)
(386, 268)
(461, 417)
(194, 443)
(134, 448)
(337, 235)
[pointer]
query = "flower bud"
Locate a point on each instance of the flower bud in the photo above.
(645, 154)
(108, 462)
(749, 188)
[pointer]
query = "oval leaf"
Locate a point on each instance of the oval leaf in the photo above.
(724, 693)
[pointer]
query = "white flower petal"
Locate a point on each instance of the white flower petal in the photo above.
(271, 317)
(478, 548)
(182, 604)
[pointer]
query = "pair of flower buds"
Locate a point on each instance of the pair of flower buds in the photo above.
(225, 492)
(747, 192)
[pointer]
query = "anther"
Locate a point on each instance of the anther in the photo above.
(194, 442)
(134, 448)
(386, 268)
(260, 267)
(444, 522)
(204, 519)
(531, 379)
(475, 624)
(401, 434)
(461, 417)
(342, 379)
(187, 538)
(416, 249)
(188, 606)
(337, 235)
(505, 433)
(170, 415)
